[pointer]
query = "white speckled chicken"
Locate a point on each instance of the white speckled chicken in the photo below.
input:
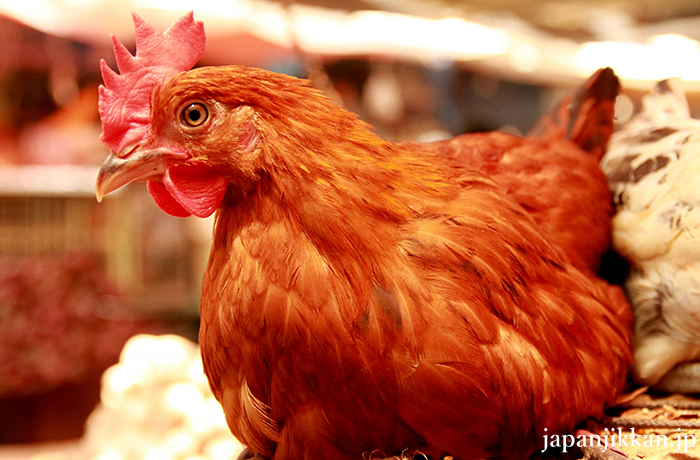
(653, 169)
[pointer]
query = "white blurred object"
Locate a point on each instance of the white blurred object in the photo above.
(156, 405)
(382, 95)
(653, 169)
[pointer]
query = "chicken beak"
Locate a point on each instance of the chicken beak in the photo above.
(118, 171)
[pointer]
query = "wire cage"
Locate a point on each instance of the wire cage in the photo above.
(155, 260)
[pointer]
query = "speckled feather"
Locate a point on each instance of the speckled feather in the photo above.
(653, 167)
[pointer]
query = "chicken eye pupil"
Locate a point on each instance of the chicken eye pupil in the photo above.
(195, 114)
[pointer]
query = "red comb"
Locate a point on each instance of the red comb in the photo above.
(125, 98)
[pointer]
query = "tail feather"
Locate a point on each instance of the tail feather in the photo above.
(588, 118)
(666, 102)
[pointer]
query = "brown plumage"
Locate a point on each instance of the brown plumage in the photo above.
(363, 296)
(553, 173)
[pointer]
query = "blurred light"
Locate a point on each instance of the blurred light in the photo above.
(157, 453)
(212, 415)
(143, 358)
(675, 43)
(195, 371)
(229, 9)
(164, 351)
(61, 180)
(184, 397)
(179, 443)
(222, 449)
(119, 379)
(666, 56)
(628, 59)
(269, 24)
(31, 11)
(109, 454)
(369, 31)
(50, 456)
(79, 3)
(524, 58)
(319, 30)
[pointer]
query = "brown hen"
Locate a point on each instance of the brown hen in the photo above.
(361, 297)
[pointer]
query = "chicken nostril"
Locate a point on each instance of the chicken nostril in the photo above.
(127, 151)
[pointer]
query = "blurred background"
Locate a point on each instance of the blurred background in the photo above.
(80, 280)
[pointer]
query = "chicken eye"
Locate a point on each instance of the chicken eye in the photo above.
(195, 114)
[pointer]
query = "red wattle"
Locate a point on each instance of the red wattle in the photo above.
(197, 188)
(165, 200)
